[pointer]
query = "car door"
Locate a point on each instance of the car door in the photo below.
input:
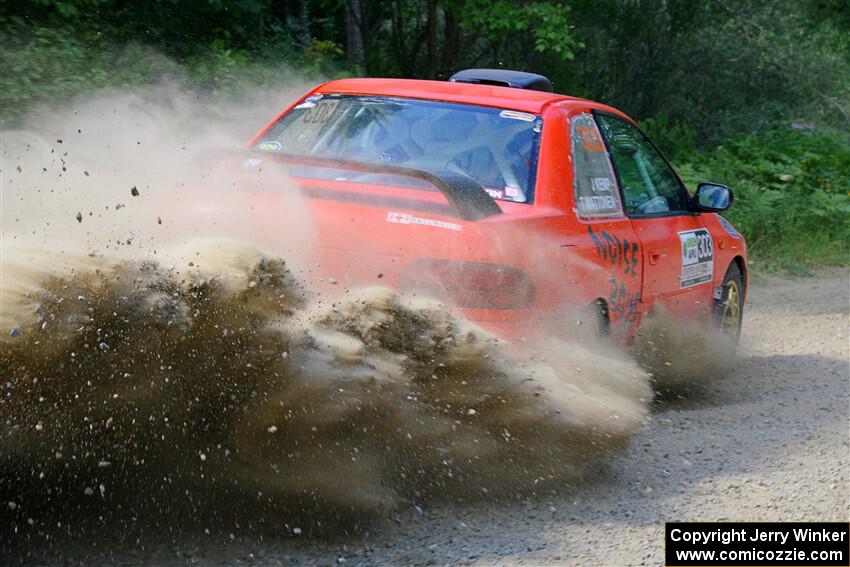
(678, 251)
(606, 238)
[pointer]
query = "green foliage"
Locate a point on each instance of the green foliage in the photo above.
(710, 80)
(48, 65)
(324, 55)
(548, 23)
(176, 28)
(792, 193)
(717, 67)
(674, 139)
(45, 65)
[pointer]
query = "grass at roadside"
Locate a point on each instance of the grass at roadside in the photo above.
(792, 194)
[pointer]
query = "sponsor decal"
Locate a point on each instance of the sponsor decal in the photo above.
(512, 192)
(718, 293)
(622, 254)
(600, 203)
(601, 184)
(495, 193)
(697, 257)
(727, 226)
(270, 146)
(252, 162)
(310, 101)
(387, 158)
(514, 115)
(590, 139)
(624, 257)
(404, 218)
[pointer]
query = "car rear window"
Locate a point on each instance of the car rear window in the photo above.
(496, 147)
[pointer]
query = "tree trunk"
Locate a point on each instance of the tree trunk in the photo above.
(451, 41)
(431, 69)
(403, 61)
(354, 33)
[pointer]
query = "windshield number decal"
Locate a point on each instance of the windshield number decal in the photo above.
(320, 112)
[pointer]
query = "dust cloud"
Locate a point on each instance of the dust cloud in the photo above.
(358, 403)
(159, 351)
(682, 356)
(125, 173)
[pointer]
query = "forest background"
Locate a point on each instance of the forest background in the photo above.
(751, 93)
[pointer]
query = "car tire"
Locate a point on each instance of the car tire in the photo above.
(729, 313)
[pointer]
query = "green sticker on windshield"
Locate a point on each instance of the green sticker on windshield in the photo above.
(270, 146)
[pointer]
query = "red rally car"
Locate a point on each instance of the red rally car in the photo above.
(516, 205)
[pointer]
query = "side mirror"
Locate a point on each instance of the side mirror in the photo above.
(712, 198)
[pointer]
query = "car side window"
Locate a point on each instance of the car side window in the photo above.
(649, 185)
(594, 183)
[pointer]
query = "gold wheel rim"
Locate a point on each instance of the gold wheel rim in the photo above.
(732, 311)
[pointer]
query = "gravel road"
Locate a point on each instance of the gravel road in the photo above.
(769, 442)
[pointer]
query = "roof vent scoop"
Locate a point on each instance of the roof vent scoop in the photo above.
(503, 78)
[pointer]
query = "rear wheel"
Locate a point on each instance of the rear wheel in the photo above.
(593, 320)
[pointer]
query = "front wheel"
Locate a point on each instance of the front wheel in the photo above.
(729, 313)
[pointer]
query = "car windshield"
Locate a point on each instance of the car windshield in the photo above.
(495, 147)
